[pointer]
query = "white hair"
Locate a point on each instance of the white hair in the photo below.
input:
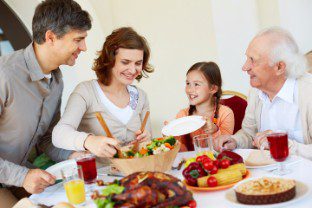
(284, 48)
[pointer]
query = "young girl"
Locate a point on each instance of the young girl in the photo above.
(203, 89)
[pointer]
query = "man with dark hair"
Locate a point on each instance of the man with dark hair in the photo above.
(30, 95)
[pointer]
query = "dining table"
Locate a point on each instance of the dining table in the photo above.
(300, 170)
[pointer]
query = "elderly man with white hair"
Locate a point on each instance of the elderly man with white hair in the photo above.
(281, 95)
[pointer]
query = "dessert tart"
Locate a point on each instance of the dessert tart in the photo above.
(266, 191)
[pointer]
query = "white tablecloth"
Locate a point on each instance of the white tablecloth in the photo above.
(302, 171)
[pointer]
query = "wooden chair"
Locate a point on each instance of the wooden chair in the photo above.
(238, 103)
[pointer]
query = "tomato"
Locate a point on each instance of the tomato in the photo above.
(232, 156)
(199, 158)
(208, 165)
(192, 204)
(225, 163)
(216, 163)
(214, 170)
(212, 181)
(206, 159)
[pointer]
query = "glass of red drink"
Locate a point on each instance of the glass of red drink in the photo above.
(88, 165)
(278, 143)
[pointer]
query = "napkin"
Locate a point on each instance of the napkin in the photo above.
(259, 158)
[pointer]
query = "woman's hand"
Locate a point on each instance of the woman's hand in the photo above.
(142, 136)
(101, 146)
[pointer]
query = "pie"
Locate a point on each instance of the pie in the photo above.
(266, 191)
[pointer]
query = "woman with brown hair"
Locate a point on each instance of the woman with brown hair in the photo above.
(123, 58)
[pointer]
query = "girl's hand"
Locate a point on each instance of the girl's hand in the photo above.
(210, 127)
(101, 146)
(142, 136)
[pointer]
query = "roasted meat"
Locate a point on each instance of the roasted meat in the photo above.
(151, 189)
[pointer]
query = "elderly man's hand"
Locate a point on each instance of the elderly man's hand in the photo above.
(78, 154)
(261, 140)
(224, 142)
(37, 180)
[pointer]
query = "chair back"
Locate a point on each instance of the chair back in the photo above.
(238, 103)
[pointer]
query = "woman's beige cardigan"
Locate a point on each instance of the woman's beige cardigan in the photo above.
(79, 120)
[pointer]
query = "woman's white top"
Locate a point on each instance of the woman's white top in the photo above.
(122, 114)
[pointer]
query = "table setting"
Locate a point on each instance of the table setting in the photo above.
(242, 178)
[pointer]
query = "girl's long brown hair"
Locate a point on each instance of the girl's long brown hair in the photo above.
(212, 74)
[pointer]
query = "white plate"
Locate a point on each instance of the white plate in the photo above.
(182, 126)
(302, 191)
(107, 171)
(292, 159)
(56, 169)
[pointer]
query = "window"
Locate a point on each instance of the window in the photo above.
(13, 33)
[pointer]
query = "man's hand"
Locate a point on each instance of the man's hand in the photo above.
(142, 136)
(224, 142)
(101, 146)
(261, 139)
(37, 180)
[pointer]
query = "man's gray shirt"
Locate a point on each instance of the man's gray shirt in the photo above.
(29, 109)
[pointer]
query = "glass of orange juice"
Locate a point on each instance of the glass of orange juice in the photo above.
(74, 185)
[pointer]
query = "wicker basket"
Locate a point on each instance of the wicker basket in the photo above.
(161, 162)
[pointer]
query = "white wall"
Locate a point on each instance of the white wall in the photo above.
(232, 39)
(296, 16)
(180, 33)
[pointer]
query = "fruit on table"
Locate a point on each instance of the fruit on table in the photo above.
(223, 178)
(189, 161)
(208, 153)
(240, 167)
(214, 170)
(192, 204)
(212, 181)
(192, 172)
(226, 169)
(208, 165)
(199, 157)
(232, 156)
(225, 163)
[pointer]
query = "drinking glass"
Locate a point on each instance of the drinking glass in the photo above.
(74, 185)
(203, 143)
(88, 165)
(278, 144)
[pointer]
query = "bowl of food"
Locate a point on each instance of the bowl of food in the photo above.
(209, 172)
(155, 155)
